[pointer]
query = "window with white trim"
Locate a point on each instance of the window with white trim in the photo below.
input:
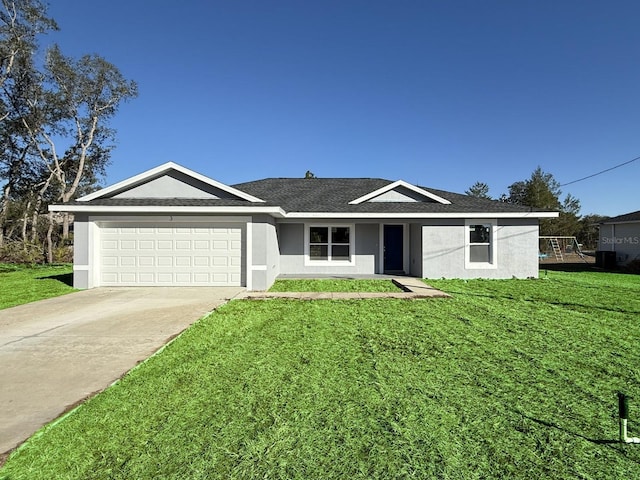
(328, 243)
(480, 243)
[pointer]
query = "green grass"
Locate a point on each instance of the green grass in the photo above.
(332, 285)
(23, 284)
(507, 379)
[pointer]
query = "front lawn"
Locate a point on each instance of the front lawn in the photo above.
(507, 379)
(23, 284)
(334, 285)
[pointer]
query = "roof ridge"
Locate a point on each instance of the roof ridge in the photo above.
(320, 178)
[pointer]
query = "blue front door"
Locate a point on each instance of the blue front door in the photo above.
(393, 245)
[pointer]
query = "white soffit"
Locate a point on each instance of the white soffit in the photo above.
(393, 186)
(164, 168)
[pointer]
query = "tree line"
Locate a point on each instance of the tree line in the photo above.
(541, 191)
(55, 139)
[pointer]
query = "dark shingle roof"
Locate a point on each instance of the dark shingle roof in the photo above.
(329, 195)
(334, 195)
(627, 217)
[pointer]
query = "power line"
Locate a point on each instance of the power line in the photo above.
(603, 171)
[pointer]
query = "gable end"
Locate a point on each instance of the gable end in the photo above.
(400, 191)
(173, 185)
(170, 180)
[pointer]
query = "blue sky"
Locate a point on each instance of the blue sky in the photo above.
(437, 93)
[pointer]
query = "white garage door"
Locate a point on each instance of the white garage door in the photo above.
(171, 254)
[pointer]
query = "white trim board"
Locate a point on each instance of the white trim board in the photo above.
(168, 218)
(354, 215)
(274, 211)
(278, 212)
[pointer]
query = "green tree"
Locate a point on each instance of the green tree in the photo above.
(542, 192)
(568, 221)
(589, 231)
(479, 190)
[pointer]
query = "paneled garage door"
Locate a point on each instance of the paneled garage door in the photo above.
(171, 254)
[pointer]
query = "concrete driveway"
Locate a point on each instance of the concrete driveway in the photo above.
(56, 352)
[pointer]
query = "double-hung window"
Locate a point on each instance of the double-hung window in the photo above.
(326, 243)
(480, 244)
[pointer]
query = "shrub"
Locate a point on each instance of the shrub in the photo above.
(21, 252)
(63, 254)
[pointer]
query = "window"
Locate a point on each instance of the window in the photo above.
(330, 244)
(480, 244)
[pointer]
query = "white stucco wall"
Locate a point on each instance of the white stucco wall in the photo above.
(443, 250)
(265, 258)
(436, 250)
(415, 250)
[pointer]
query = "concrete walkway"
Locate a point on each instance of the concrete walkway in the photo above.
(412, 288)
(55, 353)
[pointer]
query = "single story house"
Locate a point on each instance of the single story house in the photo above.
(621, 235)
(173, 226)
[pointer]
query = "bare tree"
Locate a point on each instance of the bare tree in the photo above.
(78, 100)
(21, 21)
(55, 138)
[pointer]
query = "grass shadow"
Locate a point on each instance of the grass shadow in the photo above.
(598, 441)
(66, 278)
(571, 267)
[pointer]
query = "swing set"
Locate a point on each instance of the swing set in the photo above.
(559, 249)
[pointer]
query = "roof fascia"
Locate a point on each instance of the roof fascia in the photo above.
(280, 213)
(619, 222)
(275, 211)
(399, 183)
(329, 215)
(159, 170)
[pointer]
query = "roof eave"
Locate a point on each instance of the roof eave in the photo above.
(329, 215)
(271, 210)
(619, 222)
(281, 213)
